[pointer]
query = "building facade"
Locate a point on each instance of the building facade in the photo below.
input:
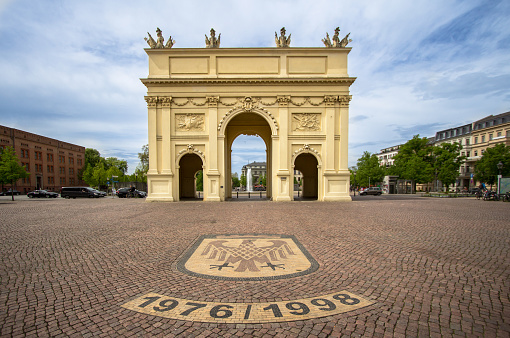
(51, 163)
(296, 99)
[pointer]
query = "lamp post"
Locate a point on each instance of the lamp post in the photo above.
(500, 166)
(354, 174)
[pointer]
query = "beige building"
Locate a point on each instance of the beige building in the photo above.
(488, 132)
(200, 100)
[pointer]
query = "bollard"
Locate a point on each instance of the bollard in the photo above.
(261, 194)
(248, 194)
(237, 193)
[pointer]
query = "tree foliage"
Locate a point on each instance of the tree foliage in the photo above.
(446, 161)
(97, 170)
(486, 169)
(10, 170)
(200, 181)
(236, 182)
(368, 171)
(413, 161)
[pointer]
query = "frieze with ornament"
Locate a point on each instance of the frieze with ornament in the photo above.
(306, 122)
(190, 122)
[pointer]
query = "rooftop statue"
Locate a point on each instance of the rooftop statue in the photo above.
(282, 41)
(337, 43)
(160, 42)
(212, 42)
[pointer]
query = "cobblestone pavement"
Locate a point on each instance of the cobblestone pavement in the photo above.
(429, 267)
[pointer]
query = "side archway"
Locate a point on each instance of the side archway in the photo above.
(188, 165)
(307, 161)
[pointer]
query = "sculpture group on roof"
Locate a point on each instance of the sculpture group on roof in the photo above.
(282, 41)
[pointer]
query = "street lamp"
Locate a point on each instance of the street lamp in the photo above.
(354, 175)
(500, 166)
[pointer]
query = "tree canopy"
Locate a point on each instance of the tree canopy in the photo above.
(486, 169)
(368, 171)
(10, 170)
(446, 162)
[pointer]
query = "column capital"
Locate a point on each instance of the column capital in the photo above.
(152, 101)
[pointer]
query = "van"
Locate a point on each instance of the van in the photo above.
(73, 192)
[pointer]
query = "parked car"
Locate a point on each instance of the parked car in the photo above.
(371, 191)
(73, 192)
(101, 193)
(42, 193)
(9, 192)
(125, 192)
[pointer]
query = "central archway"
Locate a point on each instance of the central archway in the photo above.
(247, 123)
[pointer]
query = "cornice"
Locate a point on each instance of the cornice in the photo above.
(237, 81)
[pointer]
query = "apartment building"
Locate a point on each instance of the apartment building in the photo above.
(51, 163)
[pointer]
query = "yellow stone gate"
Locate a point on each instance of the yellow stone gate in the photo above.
(200, 99)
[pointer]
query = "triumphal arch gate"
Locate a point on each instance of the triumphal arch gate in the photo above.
(200, 99)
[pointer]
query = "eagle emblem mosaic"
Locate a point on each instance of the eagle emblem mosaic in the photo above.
(247, 257)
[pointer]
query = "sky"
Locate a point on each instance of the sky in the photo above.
(71, 70)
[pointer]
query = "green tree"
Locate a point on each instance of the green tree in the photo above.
(144, 159)
(235, 181)
(10, 170)
(369, 172)
(99, 176)
(243, 180)
(113, 162)
(446, 162)
(486, 169)
(413, 161)
(262, 180)
(200, 180)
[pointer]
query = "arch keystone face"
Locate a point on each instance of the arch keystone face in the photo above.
(200, 99)
(247, 257)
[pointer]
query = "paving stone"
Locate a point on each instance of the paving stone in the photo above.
(429, 267)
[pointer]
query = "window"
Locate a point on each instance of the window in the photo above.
(49, 157)
(490, 137)
(483, 138)
(71, 171)
(24, 153)
(476, 152)
(62, 170)
(468, 153)
(26, 165)
(61, 159)
(71, 160)
(79, 161)
(62, 181)
(71, 181)
(49, 168)
(38, 155)
(499, 134)
(476, 139)
(467, 141)
(51, 180)
(483, 151)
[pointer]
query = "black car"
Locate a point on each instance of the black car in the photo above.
(9, 192)
(42, 193)
(125, 192)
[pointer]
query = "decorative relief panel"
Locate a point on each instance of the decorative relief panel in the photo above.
(190, 122)
(306, 122)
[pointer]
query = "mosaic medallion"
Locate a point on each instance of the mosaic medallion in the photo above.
(247, 257)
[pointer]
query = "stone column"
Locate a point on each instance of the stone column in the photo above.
(329, 151)
(153, 151)
(167, 154)
(213, 174)
(283, 173)
(344, 131)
